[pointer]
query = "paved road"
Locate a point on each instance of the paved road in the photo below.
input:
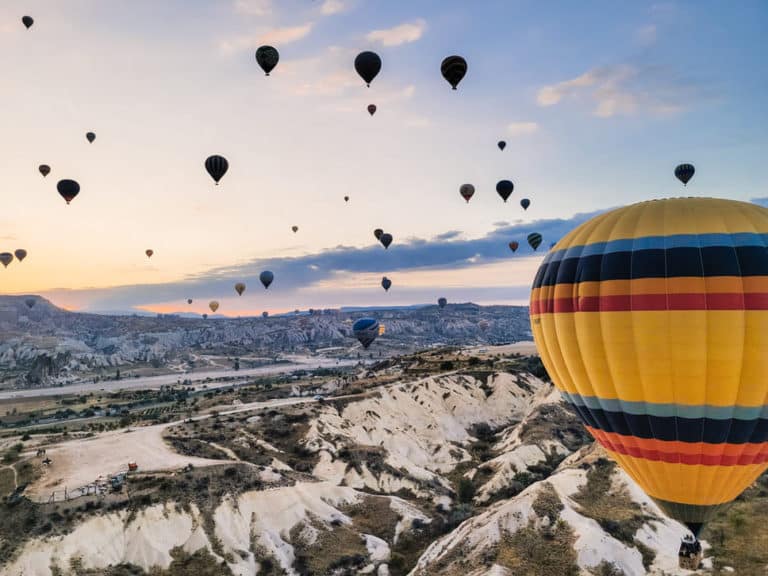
(197, 378)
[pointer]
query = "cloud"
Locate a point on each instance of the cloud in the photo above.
(402, 34)
(760, 201)
(625, 90)
(522, 128)
(330, 7)
(646, 35)
(277, 36)
(253, 7)
(450, 235)
(298, 280)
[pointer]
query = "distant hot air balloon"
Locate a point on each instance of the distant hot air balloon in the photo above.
(239, 288)
(216, 166)
(484, 325)
(20, 254)
(366, 331)
(514, 246)
(501, 144)
(371, 109)
(504, 188)
(27, 21)
(467, 191)
(205, 316)
(346, 198)
(377, 233)
(90, 136)
(684, 172)
(30, 302)
(525, 203)
(534, 239)
(189, 300)
(213, 305)
(149, 252)
(442, 302)
(6, 258)
(386, 283)
(368, 65)
(386, 239)
(453, 69)
(266, 278)
(295, 229)
(68, 189)
(267, 57)
(44, 169)
(265, 314)
(651, 320)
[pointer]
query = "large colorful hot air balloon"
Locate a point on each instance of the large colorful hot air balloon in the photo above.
(68, 189)
(467, 191)
(366, 330)
(216, 166)
(652, 320)
(267, 57)
(684, 172)
(453, 69)
(368, 66)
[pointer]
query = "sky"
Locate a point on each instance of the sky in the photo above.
(597, 101)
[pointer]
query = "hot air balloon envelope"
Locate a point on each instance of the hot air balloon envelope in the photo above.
(453, 70)
(239, 288)
(366, 330)
(27, 21)
(684, 172)
(20, 254)
(504, 188)
(652, 320)
(386, 239)
(216, 166)
(68, 189)
(467, 191)
(368, 65)
(266, 278)
(6, 258)
(44, 169)
(442, 302)
(267, 57)
(534, 240)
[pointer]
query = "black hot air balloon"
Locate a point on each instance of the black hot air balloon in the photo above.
(20, 254)
(377, 233)
(453, 69)
(266, 278)
(371, 109)
(501, 144)
(534, 239)
(189, 300)
(514, 246)
(386, 239)
(90, 136)
(467, 191)
(684, 172)
(267, 57)
(6, 258)
(44, 169)
(366, 330)
(442, 302)
(295, 229)
(505, 189)
(265, 314)
(525, 203)
(346, 198)
(368, 65)
(205, 316)
(216, 166)
(28, 21)
(386, 283)
(30, 302)
(68, 189)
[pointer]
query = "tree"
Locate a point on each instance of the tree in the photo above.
(466, 491)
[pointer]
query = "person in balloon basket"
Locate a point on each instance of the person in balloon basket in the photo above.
(689, 555)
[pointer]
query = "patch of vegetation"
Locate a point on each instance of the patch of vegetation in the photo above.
(374, 515)
(6, 482)
(338, 549)
(607, 569)
(739, 534)
(539, 551)
(196, 448)
(12, 454)
(556, 422)
(201, 563)
(613, 508)
(547, 503)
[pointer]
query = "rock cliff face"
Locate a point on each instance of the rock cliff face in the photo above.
(46, 345)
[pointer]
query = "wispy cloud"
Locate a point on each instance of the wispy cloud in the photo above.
(522, 128)
(253, 7)
(278, 36)
(646, 35)
(402, 34)
(624, 90)
(331, 7)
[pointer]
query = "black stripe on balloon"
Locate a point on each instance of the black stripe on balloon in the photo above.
(675, 428)
(671, 263)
